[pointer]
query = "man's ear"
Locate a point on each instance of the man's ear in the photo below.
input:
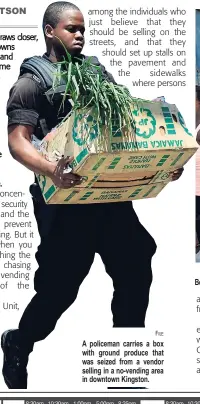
(48, 30)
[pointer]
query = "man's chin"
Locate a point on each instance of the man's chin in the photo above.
(76, 51)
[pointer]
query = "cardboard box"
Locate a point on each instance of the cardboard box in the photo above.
(162, 140)
(160, 144)
(94, 187)
(80, 195)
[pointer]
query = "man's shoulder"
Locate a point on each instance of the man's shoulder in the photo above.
(40, 69)
(95, 61)
(27, 81)
(26, 84)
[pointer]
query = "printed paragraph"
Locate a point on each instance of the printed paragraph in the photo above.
(122, 362)
(8, 47)
(16, 237)
(150, 38)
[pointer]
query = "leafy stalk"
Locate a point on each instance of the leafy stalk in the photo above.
(111, 104)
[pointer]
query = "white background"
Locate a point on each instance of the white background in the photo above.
(55, 364)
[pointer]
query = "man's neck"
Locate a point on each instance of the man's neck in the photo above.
(59, 58)
(52, 57)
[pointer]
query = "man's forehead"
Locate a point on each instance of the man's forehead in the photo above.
(74, 17)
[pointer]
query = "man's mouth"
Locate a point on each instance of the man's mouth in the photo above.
(78, 44)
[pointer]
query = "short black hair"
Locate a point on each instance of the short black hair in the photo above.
(53, 12)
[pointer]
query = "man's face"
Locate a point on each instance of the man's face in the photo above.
(70, 30)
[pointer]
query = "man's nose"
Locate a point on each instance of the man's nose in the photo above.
(79, 35)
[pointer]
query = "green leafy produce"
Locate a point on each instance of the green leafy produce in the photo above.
(111, 104)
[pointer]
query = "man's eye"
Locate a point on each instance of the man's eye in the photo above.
(71, 29)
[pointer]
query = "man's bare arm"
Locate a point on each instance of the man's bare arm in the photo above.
(19, 141)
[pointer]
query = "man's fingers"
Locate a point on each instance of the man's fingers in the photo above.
(69, 183)
(67, 160)
(176, 176)
(62, 165)
(71, 179)
(70, 159)
(64, 161)
(179, 171)
(72, 176)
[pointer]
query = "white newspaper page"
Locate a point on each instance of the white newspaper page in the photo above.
(98, 277)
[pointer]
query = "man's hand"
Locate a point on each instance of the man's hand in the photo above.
(177, 173)
(62, 179)
(23, 151)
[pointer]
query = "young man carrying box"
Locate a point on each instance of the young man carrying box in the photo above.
(112, 229)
